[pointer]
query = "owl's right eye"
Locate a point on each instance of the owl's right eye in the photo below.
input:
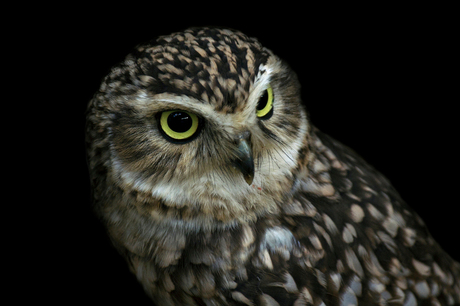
(179, 126)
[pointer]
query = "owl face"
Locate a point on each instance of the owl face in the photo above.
(206, 120)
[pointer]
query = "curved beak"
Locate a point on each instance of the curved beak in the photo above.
(244, 161)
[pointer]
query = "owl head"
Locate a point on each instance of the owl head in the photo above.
(204, 124)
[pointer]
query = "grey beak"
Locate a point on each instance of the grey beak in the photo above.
(244, 161)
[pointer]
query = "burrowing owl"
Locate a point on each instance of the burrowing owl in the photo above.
(216, 188)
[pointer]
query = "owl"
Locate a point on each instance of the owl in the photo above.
(216, 188)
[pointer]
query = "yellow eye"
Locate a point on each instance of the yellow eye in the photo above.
(265, 104)
(179, 125)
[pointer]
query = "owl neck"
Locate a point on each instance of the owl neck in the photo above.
(193, 218)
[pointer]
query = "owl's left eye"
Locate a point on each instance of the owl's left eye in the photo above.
(265, 104)
(179, 125)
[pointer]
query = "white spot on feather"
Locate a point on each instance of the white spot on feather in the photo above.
(348, 298)
(374, 212)
(330, 225)
(289, 284)
(277, 238)
(267, 300)
(239, 297)
(410, 300)
(409, 236)
(356, 213)
(353, 262)
(348, 233)
(422, 290)
(421, 268)
(266, 260)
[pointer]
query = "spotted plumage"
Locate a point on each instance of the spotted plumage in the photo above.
(242, 205)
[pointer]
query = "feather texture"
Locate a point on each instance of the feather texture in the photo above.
(317, 225)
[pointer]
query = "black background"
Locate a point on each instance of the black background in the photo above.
(377, 79)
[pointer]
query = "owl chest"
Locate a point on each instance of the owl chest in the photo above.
(228, 266)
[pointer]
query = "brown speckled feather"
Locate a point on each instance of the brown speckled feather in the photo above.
(315, 225)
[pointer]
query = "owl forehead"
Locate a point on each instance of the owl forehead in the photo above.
(214, 66)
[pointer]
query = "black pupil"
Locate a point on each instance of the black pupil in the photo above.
(262, 101)
(179, 122)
